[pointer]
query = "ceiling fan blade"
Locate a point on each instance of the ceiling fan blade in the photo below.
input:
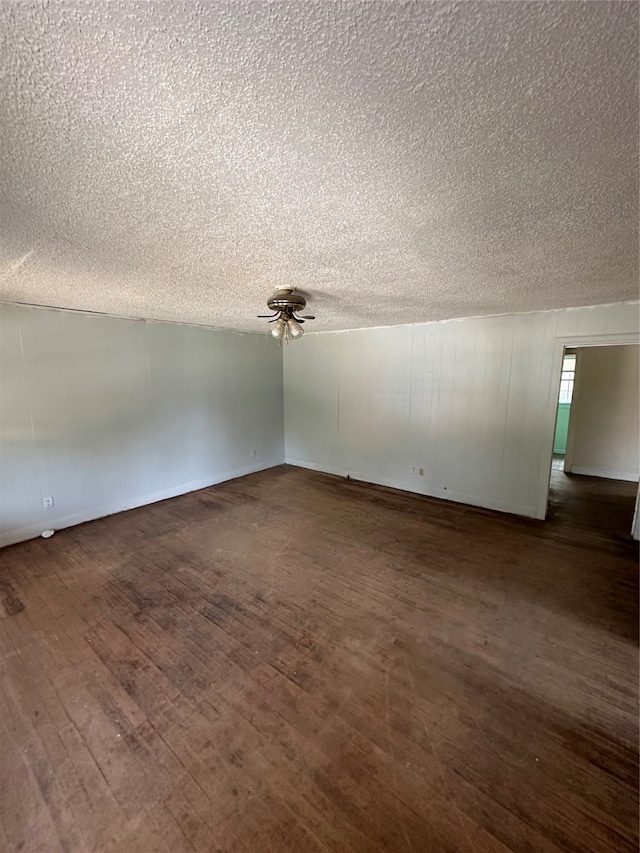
(266, 316)
(308, 317)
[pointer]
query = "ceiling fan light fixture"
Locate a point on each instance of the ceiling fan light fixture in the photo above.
(278, 329)
(286, 303)
(295, 329)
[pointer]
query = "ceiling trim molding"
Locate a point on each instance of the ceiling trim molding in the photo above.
(88, 313)
(628, 302)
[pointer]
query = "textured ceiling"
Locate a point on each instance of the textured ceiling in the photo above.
(398, 161)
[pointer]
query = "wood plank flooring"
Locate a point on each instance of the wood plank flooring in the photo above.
(296, 662)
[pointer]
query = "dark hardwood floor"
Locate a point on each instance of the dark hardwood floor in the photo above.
(296, 662)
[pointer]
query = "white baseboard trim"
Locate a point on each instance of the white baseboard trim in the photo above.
(31, 531)
(607, 473)
(427, 491)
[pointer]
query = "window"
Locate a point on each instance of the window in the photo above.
(567, 378)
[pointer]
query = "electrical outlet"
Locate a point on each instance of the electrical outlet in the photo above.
(414, 470)
(47, 503)
(253, 454)
(421, 472)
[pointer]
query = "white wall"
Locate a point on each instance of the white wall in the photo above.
(472, 402)
(106, 414)
(604, 427)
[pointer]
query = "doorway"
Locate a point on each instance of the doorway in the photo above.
(596, 452)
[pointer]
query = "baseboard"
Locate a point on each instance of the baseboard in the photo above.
(31, 531)
(606, 473)
(426, 490)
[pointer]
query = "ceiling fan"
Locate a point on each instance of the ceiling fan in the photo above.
(286, 303)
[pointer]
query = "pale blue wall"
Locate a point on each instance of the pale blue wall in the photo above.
(470, 403)
(105, 414)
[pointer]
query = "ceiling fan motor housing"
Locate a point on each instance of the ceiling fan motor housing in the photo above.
(286, 299)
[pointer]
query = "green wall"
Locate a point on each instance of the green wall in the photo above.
(562, 426)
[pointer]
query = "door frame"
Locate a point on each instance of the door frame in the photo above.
(561, 342)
